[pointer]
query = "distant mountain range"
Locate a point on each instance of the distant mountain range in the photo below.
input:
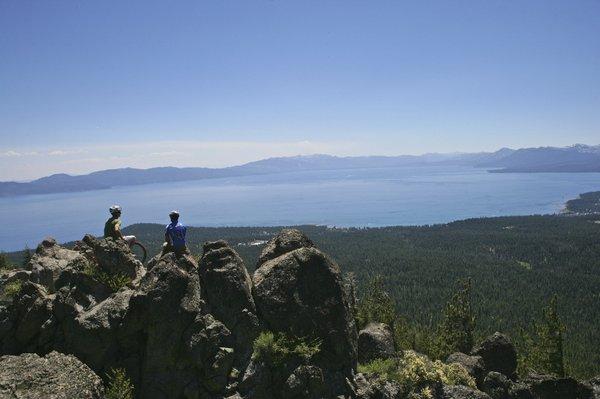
(577, 158)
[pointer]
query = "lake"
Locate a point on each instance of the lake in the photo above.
(356, 197)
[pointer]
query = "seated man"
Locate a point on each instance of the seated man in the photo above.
(175, 237)
(112, 227)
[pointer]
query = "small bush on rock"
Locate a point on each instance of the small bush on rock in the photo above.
(119, 385)
(13, 288)
(417, 374)
(278, 348)
(114, 281)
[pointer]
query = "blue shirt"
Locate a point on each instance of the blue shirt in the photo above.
(176, 231)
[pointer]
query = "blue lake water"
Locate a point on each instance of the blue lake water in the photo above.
(357, 197)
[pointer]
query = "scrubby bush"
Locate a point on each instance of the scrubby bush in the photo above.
(280, 348)
(417, 375)
(114, 281)
(119, 385)
(13, 288)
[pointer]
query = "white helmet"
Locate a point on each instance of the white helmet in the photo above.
(114, 209)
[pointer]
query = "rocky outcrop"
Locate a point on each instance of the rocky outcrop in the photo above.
(286, 241)
(228, 293)
(300, 292)
(498, 354)
(50, 260)
(473, 364)
(111, 256)
(375, 341)
(55, 376)
(543, 386)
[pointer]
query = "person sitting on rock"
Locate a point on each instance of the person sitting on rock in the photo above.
(112, 227)
(175, 236)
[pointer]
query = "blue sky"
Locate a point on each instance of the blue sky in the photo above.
(87, 85)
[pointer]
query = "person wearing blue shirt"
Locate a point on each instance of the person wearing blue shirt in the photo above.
(175, 236)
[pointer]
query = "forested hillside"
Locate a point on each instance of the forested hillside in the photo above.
(516, 264)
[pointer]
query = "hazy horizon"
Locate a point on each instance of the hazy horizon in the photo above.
(91, 170)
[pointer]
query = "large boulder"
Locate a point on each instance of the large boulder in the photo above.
(375, 341)
(55, 376)
(50, 260)
(301, 293)
(113, 257)
(228, 292)
(498, 354)
(546, 386)
(473, 364)
(286, 241)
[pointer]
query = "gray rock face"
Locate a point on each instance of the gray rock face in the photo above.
(300, 292)
(461, 392)
(306, 382)
(55, 376)
(544, 386)
(473, 364)
(498, 354)
(228, 292)
(370, 387)
(50, 260)
(111, 256)
(286, 241)
(375, 341)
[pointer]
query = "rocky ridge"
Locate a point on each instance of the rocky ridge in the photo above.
(182, 328)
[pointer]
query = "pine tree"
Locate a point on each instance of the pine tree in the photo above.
(455, 333)
(376, 304)
(4, 262)
(26, 256)
(549, 351)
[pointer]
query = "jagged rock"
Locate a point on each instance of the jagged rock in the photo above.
(462, 392)
(545, 386)
(498, 354)
(55, 376)
(286, 241)
(301, 293)
(371, 387)
(473, 364)
(497, 385)
(595, 385)
(50, 260)
(111, 256)
(8, 279)
(28, 323)
(306, 382)
(375, 341)
(228, 291)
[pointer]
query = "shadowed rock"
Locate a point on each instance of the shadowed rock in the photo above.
(375, 341)
(228, 292)
(473, 364)
(498, 354)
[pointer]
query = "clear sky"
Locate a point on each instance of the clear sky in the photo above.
(87, 85)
